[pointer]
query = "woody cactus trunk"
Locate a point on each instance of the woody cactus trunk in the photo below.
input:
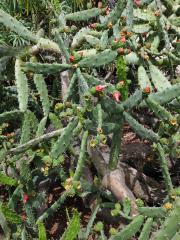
(106, 70)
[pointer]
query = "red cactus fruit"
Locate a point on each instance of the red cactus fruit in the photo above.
(137, 3)
(71, 58)
(25, 198)
(123, 39)
(116, 96)
(147, 89)
(120, 51)
(100, 88)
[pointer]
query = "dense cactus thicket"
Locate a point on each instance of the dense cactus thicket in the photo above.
(66, 95)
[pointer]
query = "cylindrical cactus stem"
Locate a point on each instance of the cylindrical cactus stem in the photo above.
(70, 89)
(146, 229)
(122, 77)
(81, 161)
(56, 205)
(140, 129)
(130, 230)
(100, 120)
(115, 147)
(171, 225)
(129, 14)
(62, 46)
(7, 116)
(158, 212)
(164, 168)
(22, 86)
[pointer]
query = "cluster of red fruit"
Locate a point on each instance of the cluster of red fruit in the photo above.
(116, 95)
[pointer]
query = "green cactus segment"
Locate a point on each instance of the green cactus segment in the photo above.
(115, 14)
(87, 52)
(152, 212)
(93, 41)
(104, 40)
(146, 229)
(84, 15)
(62, 46)
(91, 81)
(41, 231)
(143, 79)
(116, 29)
(64, 140)
(73, 228)
(70, 91)
(16, 195)
(82, 84)
(171, 225)
(155, 44)
(5, 227)
(147, 16)
(140, 129)
(17, 27)
(5, 180)
(158, 79)
(91, 221)
(131, 58)
(47, 44)
(29, 124)
(129, 15)
(79, 37)
(167, 95)
(10, 215)
(45, 68)
(55, 121)
(122, 77)
(41, 127)
(22, 86)
(130, 230)
(164, 168)
(133, 100)
(115, 147)
(100, 59)
(43, 92)
(81, 160)
(11, 115)
(175, 21)
(56, 205)
(176, 236)
(100, 116)
(141, 28)
(158, 110)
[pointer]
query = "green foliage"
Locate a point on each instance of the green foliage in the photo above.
(73, 228)
(7, 180)
(10, 215)
(42, 231)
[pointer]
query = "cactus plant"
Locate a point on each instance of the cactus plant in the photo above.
(91, 80)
